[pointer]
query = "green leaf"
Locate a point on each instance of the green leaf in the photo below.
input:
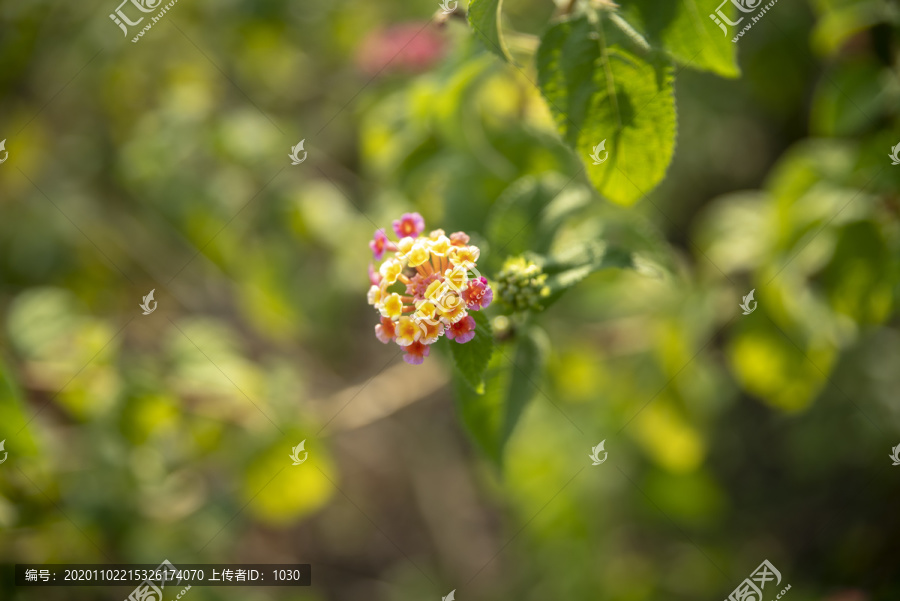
(528, 365)
(858, 279)
(853, 96)
(512, 380)
(472, 357)
(685, 31)
(601, 84)
(13, 407)
(484, 17)
(482, 414)
(839, 21)
(567, 270)
(528, 213)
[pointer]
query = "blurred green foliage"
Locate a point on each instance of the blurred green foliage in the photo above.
(731, 438)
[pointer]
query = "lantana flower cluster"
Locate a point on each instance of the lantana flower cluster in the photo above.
(425, 290)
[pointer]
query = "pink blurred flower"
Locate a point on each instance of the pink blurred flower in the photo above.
(849, 595)
(410, 47)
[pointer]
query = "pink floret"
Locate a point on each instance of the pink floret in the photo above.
(409, 224)
(459, 239)
(385, 331)
(416, 353)
(374, 276)
(379, 244)
(462, 331)
(478, 294)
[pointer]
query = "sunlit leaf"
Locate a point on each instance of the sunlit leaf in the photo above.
(602, 85)
(686, 32)
(484, 17)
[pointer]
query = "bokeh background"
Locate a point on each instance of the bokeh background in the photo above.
(163, 165)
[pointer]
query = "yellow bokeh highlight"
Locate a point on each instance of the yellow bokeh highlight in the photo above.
(668, 438)
(773, 369)
(155, 414)
(579, 375)
(281, 493)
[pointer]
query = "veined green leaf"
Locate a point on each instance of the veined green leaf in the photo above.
(603, 87)
(685, 31)
(484, 18)
(472, 357)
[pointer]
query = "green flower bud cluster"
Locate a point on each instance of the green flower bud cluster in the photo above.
(521, 284)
